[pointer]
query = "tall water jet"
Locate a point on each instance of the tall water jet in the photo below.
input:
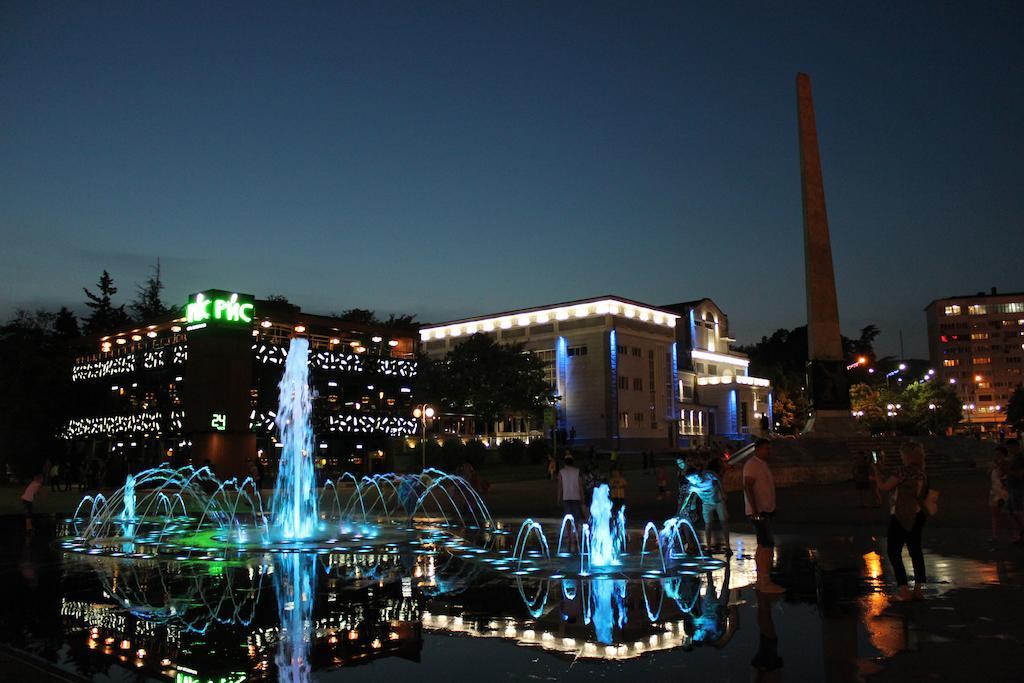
(602, 546)
(128, 513)
(294, 506)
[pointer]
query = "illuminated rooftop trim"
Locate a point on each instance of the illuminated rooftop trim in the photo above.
(585, 308)
(739, 379)
(720, 358)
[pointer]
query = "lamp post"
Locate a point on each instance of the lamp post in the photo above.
(423, 412)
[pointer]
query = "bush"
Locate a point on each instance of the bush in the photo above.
(537, 450)
(475, 452)
(512, 451)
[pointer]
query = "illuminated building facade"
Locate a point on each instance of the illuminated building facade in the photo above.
(719, 398)
(976, 345)
(628, 375)
(202, 386)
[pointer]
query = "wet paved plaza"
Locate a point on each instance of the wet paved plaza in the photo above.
(438, 617)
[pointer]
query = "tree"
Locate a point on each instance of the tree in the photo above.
(65, 324)
(35, 388)
(401, 320)
(487, 379)
(869, 403)
(278, 298)
(359, 315)
(366, 316)
(148, 304)
(1015, 408)
(104, 316)
(782, 358)
(930, 407)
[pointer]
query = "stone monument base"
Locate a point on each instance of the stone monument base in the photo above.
(833, 423)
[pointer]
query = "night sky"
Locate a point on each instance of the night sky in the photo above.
(455, 159)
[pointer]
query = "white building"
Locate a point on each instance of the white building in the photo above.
(629, 375)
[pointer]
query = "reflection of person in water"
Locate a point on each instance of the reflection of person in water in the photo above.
(572, 602)
(718, 620)
(767, 664)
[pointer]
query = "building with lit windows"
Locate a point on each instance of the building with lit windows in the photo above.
(202, 386)
(628, 375)
(976, 344)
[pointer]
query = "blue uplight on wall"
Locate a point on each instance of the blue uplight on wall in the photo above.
(562, 378)
(693, 331)
(613, 357)
(733, 426)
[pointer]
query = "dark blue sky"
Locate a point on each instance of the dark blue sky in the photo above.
(453, 159)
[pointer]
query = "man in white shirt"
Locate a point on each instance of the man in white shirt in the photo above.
(759, 499)
(570, 490)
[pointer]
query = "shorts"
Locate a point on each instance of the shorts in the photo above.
(574, 508)
(763, 530)
(28, 507)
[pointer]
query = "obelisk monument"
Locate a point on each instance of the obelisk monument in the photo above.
(827, 384)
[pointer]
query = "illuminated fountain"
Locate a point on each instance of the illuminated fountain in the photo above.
(293, 508)
(598, 548)
(604, 547)
(128, 511)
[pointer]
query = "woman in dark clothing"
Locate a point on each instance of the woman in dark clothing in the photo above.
(909, 487)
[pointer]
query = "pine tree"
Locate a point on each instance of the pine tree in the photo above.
(148, 304)
(104, 315)
(65, 324)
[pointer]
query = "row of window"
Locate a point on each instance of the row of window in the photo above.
(636, 420)
(638, 383)
(981, 360)
(985, 309)
(635, 351)
(991, 324)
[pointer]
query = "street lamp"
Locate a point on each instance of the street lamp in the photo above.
(423, 412)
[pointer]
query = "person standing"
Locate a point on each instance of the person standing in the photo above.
(552, 466)
(55, 477)
(909, 487)
(997, 493)
(617, 485)
(28, 499)
(570, 490)
(759, 503)
(1015, 486)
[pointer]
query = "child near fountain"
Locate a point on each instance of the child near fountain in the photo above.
(706, 487)
(29, 497)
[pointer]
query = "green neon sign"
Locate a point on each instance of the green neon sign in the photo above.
(217, 306)
(219, 421)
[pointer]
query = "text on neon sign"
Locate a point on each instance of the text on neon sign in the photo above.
(229, 310)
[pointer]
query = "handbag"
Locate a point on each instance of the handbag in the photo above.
(931, 502)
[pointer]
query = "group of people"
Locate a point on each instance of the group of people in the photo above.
(701, 498)
(575, 488)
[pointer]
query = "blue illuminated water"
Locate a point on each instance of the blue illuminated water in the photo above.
(602, 546)
(294, 505)
(128, 513)
(295, 586)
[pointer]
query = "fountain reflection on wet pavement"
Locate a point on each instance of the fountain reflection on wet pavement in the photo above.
(434, 614)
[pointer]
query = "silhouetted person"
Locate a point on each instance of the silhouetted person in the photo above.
(909, 488)
(28, 499)
(759, 499)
